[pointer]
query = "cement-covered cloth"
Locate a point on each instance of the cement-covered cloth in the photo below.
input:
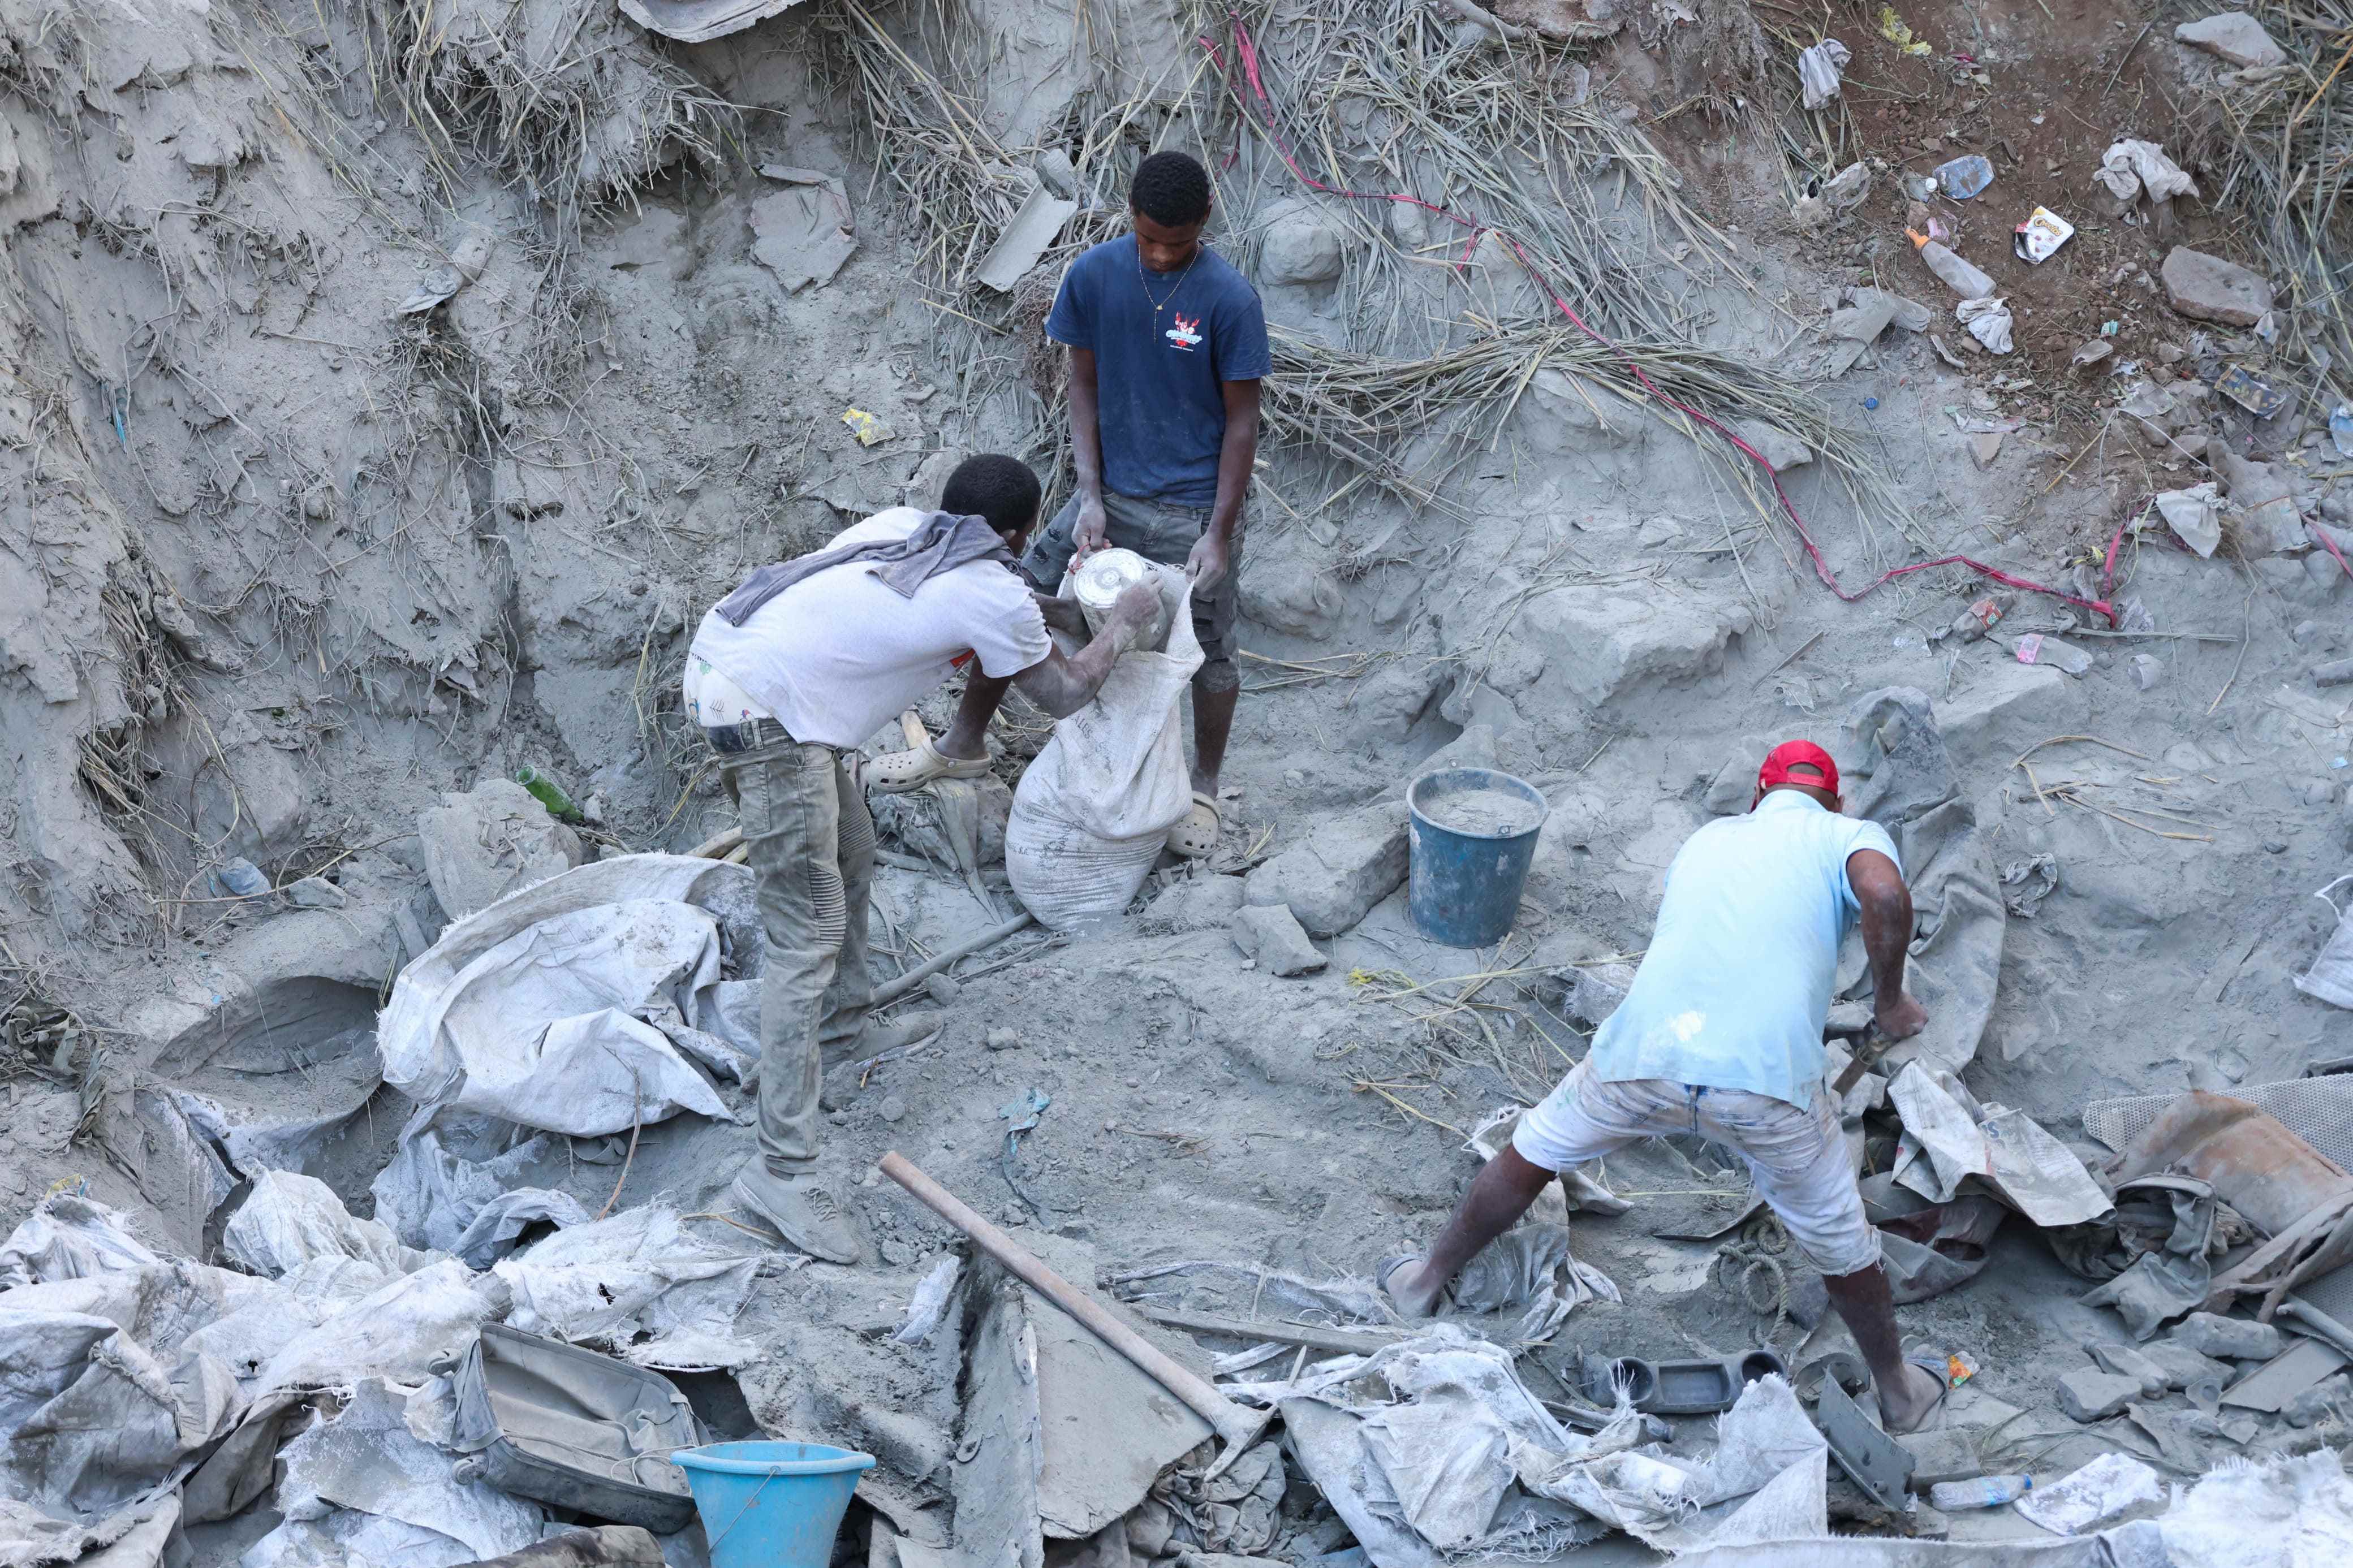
(1913, 792)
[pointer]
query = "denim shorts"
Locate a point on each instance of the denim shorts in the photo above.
(1161, 531)
(1798, 1159)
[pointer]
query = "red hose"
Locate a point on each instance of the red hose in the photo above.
(1247, 52)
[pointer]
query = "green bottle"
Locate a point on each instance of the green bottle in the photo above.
(549, 794)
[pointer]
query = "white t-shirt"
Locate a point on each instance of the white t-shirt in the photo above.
(1736, 985)
(837, 655)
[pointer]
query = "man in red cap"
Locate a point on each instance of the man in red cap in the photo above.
(1721, 1036)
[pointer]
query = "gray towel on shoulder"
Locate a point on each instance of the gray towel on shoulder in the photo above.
(942, 543)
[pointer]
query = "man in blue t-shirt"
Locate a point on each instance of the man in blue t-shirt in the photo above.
(1167, 347)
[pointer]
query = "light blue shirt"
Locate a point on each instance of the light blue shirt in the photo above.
(1736, 985)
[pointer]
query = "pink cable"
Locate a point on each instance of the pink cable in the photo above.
(2329, 545)
(1246, 51)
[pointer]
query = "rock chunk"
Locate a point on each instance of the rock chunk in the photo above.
(2092, 1395)
(1269, 933)
(2233, 36)
(485, 843)
(1344, 868)
(1198, 903)
(2125, 1360)
(2185, 1368)
(2239, 1339)
(1780, 450)
(2208, 289)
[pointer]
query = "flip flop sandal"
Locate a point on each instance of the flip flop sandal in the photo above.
(1940, 1368)
(911, 770)
(1196, 834)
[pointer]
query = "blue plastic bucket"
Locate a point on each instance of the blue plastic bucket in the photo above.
(1466, 874)
(771, 1505)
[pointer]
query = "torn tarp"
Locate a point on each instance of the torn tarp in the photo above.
(533, 1010)
(363, 1489)
(288, 1219)
(67, 1236)
(434, 1199)
(1913, 792)
(1949, 1138)
(636, 1277)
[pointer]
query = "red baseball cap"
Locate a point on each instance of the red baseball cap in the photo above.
(1793, 753)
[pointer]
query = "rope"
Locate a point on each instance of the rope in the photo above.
(1741, 1266)
(1246, 52)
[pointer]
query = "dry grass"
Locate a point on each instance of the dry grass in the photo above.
(2283, 146)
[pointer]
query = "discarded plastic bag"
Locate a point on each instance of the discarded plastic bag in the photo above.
(637, 1275)
(528, 1010)
(436, 1199)
(2129, 168)
(69, 1237)
(1949, 1137)
(1987, 321)
(1093, 811)
(2193, 514)
(363, 1488)
(2330, 978)
(288, 1219)
(1819, 68)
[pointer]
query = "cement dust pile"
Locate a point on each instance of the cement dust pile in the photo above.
(1418, 783)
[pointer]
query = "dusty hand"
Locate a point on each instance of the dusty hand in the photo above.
(1133, 612)
(1207, 564)
(1093, 528)
(1901, 1018)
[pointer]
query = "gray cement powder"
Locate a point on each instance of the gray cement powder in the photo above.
(1491, 812)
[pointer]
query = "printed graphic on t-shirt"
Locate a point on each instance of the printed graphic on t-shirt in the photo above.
(1186, 334)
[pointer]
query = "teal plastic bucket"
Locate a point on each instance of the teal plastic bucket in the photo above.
(1472, 834)
(771, 1505)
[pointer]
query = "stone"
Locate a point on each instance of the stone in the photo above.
(2147, 672)
(1300, 243)
(1564, 413)
(2330, 1395)
(1346, 866)
(1909, 314)
(2008, 707)
(1603, 641)
(1291, 597)
(1474, 748)
(315, 893)
(2236, 1339)
(2089, 1394)
(489, 841)
(1984, 448)
(1272, 936)
(2208, 289)
(1946, 1454)
(1863, 321)
(2125, 1360)
(943, 990)
(1003, 1039)
(2184, 1367)
(1780, 450)
(2303, 633)
(892, 1108)
(2233, 36)
(1197, 903)
(1735, 783)
(2326, 576)
(1658, 531)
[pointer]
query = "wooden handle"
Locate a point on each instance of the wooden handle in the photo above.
(1206, 1401)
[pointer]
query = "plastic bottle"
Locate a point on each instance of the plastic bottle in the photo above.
(549, 794)
(1959, 277)
(1986, 1492)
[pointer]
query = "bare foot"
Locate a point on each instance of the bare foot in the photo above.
(1411, 1292)
(1901, 1410)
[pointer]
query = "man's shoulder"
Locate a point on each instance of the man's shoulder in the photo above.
(1225, 276)
(891, 522)
(1104, 256)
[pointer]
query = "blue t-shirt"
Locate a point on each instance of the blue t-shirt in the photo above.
(1159, 373)
(1736, 982)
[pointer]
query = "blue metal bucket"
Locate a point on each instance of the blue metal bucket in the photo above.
(1465, 882)
(771, 1505)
